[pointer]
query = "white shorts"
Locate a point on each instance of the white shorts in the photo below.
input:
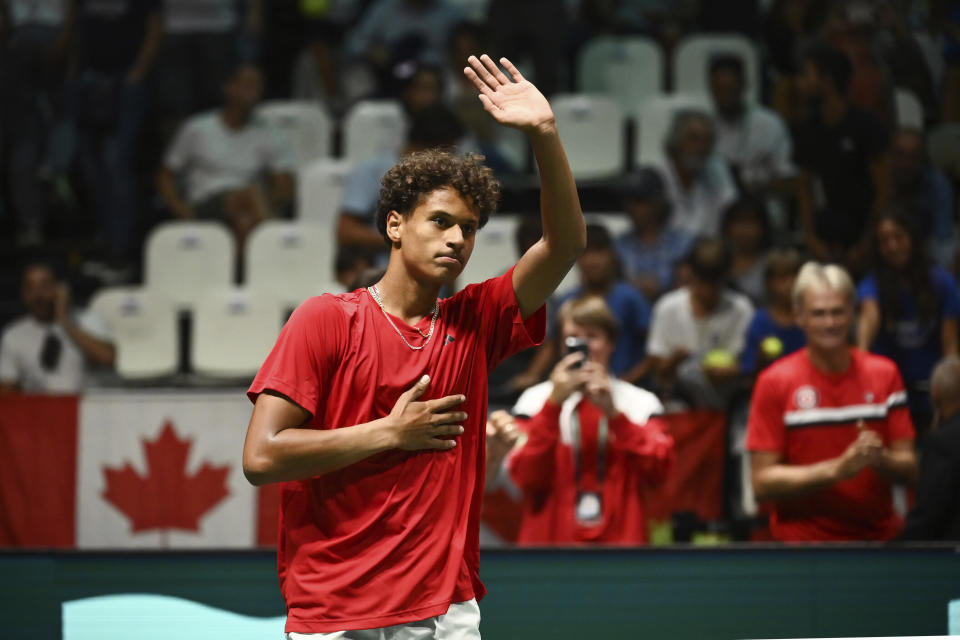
(460, 622)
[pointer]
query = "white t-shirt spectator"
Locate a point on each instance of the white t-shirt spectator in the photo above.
(673, 325)
(758, 145)
(21, 354)
(697, 210)
(389, 22)
(216, 158)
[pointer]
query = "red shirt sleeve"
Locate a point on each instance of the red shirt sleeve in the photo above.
(899, 422)
(305, 354)
(648, 444)
(765, 428)
(532, 465)
(501, 321)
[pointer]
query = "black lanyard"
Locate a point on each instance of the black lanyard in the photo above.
(603, 432)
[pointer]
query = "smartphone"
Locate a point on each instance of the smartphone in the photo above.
(573, 345)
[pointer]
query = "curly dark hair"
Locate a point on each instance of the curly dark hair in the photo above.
(419, 173)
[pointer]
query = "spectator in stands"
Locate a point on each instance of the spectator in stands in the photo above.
(936, 512)
(117, 45)
(698, 182)
(829, 430)
(773, 331)
(51, 348)
(844, 150)
(925, 193)
(201, 43)
(750, 137)
(601, 275)
(909, 308)
(533, 30)
(431, 127)
(592, 442)
(651, 251)
(746, 227)
(788, 26)
(395, 31)
(697, 331)
(222, 155)
(34, 43)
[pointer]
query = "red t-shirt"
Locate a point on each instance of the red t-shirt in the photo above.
(808, 416)
(392, 538)
(638, 453)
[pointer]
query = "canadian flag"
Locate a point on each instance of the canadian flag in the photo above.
(130, 470)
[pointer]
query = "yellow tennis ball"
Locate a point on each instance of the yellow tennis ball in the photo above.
(719, 358)
(772, 347)
(313, 8)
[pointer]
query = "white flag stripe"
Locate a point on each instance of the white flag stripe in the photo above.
(872, 411)
(113, 428)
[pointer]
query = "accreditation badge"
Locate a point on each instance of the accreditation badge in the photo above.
(589, 508)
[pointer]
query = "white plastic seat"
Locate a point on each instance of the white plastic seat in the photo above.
(628, 69)
(372, 127)
(320, 187)
(593, 135)
(233, 331)
(186, 258)
(908, 108)
(494, 250)
(143, 328)
(303, 127)
(616, 223)
(291, 260)
(692, 57)
(654, 121)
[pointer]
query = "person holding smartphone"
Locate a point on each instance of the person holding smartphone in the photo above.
(589, 441)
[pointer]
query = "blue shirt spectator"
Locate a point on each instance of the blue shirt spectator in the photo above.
(762, 326)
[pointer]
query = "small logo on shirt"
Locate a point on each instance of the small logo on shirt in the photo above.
(448, 339)
(806, 397)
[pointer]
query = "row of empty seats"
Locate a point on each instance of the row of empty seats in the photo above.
(189, 268)
(629, 69)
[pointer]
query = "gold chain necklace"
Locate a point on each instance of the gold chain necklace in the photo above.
(426, 336)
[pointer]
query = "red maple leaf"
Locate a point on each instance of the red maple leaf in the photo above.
(167, 498)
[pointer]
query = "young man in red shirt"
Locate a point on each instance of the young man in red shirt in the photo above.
(829, 430)
(384, 479)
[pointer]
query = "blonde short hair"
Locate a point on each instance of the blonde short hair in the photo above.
(590, 311)
(830, 275)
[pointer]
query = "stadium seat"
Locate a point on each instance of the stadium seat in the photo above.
(616, 223)
(593, 135)
(143, 327)
(909, 110)
(291, 260)
(302, 127)
(692, 57)
(320, 187)
(184, 259)
(654, 121)
(628, 69)
(494, 251)
(233, 331)
(372, 127)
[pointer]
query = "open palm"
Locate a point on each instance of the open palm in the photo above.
(514, 103)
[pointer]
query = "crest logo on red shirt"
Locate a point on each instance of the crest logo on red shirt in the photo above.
(806, 397)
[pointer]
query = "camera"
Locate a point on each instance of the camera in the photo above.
(573, 345)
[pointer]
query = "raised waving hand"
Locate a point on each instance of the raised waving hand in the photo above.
(512, 101)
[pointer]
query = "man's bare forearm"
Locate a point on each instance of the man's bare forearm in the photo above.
(298, 454)
(563, 226)
(787, 481)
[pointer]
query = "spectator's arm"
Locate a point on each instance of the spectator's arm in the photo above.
(167, 188)
(773, 480)
(540, 363)
(898, 463)
(868, 324)
(148, 49)
(9, 370)
(354, 231)
(806, 207)
(97, 350)
(647, 445)
(532, 465)
(949, 336)
(281, 189)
